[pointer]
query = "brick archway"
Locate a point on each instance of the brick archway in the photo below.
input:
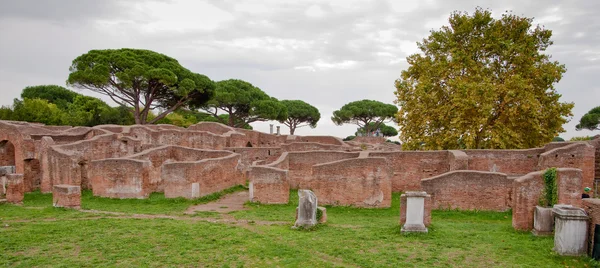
(7, 153)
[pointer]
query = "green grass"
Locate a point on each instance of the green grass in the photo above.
(352, 237)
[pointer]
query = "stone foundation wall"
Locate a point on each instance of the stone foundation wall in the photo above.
(528, 189)
(469, 190)
(359, 182)
(120, 178)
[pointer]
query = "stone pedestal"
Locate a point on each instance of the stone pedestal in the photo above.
(415, 212)
(543, 221)
(570, 233)
(66, 196)
(15, 190)
(307, 209)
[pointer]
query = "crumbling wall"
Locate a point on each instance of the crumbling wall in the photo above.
(268, 185)
(528, 189)
(580, 155)
(210, 176)
(311, 146)
(410, 167)
(251, 154)
(592, 208)
(300, 164)
(469, 190)
(511, 162)
(319, 139)
(120, 178)
(7, 153)
(360, 182)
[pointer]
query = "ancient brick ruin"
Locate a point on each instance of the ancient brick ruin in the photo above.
(134, 161)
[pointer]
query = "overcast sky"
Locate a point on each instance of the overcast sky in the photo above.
(327, 53)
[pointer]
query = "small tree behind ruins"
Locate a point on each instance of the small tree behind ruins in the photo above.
(300, 114)
(367, 114)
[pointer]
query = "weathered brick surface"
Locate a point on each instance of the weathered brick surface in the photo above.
(269, 185)
(311, 146)
(527, 190)
(45, 179)
(7, 153)
(592, 208)
(469, 190)
(212, 175)
(300, 165)
(360, 182)
(15, 191)
(426, 213)
(251, 154)
(411, 166)
(511, 162)
(580, 155)
(32, 175)
(66, 196)
(120, 178)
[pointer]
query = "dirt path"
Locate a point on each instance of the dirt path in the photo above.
(226, 204)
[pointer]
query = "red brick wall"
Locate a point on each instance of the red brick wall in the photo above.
(269, 185)
(14, 188)
(320, 139)
(32, 175)
(592, 208)
(300, 164)
(511, 162)
(120, 178)
(212, 127)
(66, 196)
(251, 154)
(360, 182)
(579, 155)
(527, 190)
(310, 146)
(411, 166)
(469, 190)
(212, 175)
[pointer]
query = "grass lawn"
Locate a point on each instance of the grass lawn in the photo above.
(36, 234)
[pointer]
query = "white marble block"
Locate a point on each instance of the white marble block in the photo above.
(570, 231)
(415, 211)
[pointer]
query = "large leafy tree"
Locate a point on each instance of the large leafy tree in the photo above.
(142, 79)
(300, 114)
(243, 103)
(386, 131)
(481, 83)
(367, 114)
(590, 120)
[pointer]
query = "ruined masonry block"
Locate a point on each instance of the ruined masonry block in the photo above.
(415, 212)
(66, 196)
(15, 190)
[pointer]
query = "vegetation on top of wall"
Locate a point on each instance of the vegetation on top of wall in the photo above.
(582, 138)
(549, 195)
